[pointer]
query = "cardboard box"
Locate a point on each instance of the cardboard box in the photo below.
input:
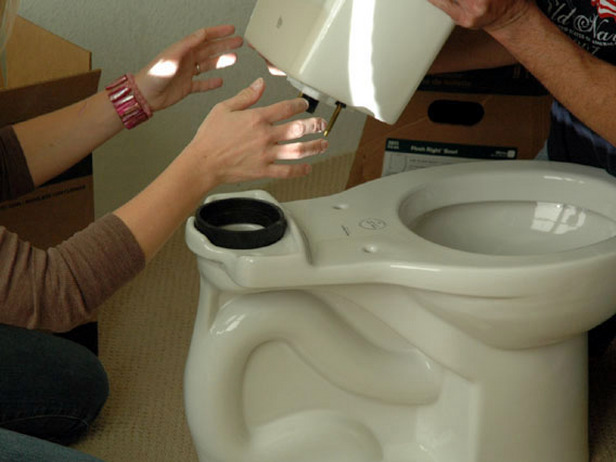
(45, 73)
(489, 114)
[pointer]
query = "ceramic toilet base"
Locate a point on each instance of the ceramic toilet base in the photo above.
(313, 376)
(432, 316)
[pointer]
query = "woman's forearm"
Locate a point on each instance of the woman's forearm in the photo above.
(56, 141)
(157, 211)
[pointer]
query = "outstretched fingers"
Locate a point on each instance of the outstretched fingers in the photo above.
(299, 128)
(288, 171)
(299, 150)
(282, 151)
(246, 97)
(283, 110)
(213, 49)
(259, 142)
(206, 85)
(215, 62)
(202, 37)
(220, 31)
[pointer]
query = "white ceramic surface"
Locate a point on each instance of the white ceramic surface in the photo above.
(435, 315)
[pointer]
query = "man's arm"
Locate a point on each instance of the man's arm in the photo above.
(584, 84)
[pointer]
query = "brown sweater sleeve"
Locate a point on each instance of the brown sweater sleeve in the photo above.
(15, 177)
(60, 288)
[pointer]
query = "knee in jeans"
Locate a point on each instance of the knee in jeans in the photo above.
(53, 389)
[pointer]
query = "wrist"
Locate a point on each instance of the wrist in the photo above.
(515, 24)
(199, 176)
(510, 25)
(130, 105)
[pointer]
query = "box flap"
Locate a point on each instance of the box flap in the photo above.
(35, 55)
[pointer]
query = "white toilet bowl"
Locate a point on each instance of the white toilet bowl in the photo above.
(436, 315)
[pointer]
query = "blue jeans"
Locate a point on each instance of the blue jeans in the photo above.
(16, 447)
(51, 389)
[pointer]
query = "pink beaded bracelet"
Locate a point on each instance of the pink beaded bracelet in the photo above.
(128, 101)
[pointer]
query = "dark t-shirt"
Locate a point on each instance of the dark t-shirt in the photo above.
(592, 25)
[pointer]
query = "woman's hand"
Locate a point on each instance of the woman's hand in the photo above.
(172, 75)
(236, 143)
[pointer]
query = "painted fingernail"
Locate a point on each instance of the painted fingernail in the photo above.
(257, 84)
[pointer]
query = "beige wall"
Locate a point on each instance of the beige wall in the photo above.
(124, 35)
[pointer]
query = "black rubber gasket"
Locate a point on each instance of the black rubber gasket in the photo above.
(213, 217)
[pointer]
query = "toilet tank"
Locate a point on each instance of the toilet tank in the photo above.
(367, 54)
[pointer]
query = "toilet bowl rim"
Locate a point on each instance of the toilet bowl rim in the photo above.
(427, 256)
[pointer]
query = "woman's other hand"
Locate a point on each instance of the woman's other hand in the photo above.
(234, 143)
(238, 143)
(174, 73)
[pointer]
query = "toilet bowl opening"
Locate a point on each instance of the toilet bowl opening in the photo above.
(241, 223)
(512, 227)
